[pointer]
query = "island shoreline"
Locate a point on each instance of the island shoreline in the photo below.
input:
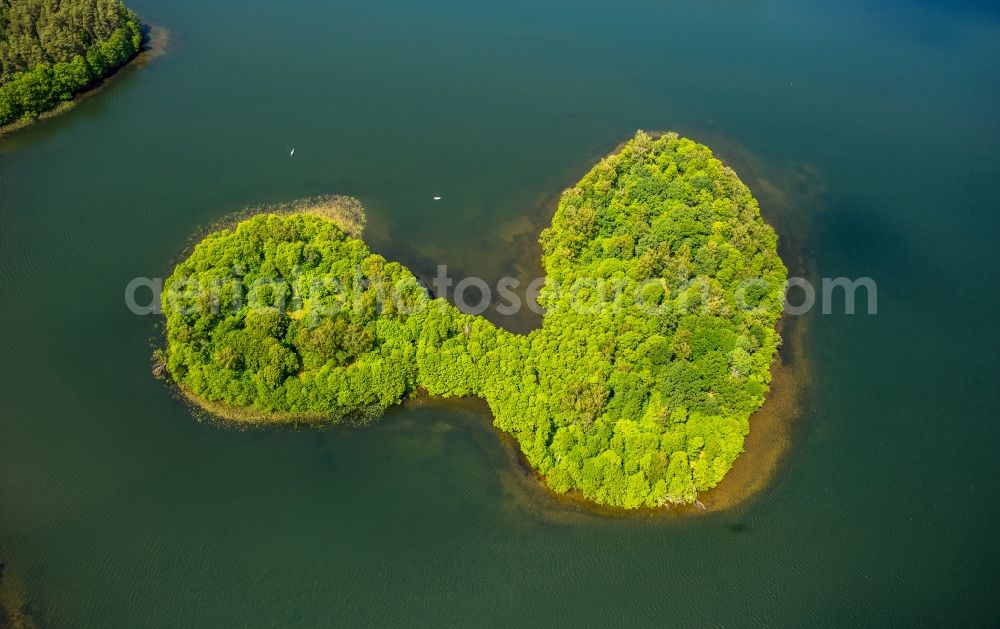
(764, 450)
(762, 458)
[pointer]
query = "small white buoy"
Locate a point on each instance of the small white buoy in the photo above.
(437, 198)
(292, 153)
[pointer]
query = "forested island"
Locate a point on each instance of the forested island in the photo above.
(50, 51)
(663, 287)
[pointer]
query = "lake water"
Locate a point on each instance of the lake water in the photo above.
(869, 133)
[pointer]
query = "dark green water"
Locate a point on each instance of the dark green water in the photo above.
(870, 133)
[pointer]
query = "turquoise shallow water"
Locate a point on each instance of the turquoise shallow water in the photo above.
(869, 132)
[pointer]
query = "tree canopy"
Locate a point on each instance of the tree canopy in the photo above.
(53, 49)
(663, 286)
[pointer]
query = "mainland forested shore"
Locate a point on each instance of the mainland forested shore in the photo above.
(52, 52)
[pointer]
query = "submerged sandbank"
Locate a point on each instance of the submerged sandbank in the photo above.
(15, 610)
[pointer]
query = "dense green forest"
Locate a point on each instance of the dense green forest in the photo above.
(53, 49)
(663, 287)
